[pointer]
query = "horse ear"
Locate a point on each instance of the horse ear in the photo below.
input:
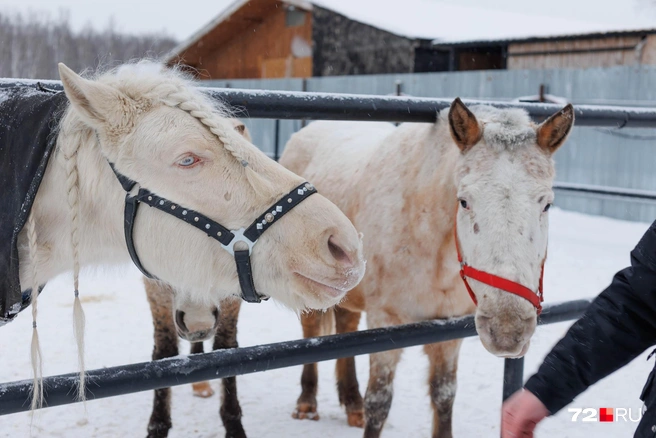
(553, 132)
(100, 105)
(241, 129)
(464, 127)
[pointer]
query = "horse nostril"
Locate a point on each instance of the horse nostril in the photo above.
(179, 320)
(337, 252)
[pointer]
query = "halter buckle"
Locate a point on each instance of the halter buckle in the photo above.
(239, 237)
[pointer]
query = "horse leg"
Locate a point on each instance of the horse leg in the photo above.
(380, 390)
(443, 358)
(226, 337)
(347, 380)
(160, 298)
(306, 405)
(200, 389)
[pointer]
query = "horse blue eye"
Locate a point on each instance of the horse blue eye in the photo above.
(187, 161)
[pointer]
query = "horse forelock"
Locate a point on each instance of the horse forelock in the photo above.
(505, 129)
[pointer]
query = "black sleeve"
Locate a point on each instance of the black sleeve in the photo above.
(618, 326)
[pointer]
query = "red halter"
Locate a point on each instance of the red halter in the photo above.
(496, 281)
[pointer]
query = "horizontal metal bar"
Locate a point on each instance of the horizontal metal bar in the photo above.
(331, 106)
(164, 373)
(606, 191)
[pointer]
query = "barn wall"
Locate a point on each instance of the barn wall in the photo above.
(634, 51)
(346, 47)
(263, 50)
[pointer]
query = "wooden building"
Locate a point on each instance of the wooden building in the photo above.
(564, 51)
(592, 50)
(304, 38)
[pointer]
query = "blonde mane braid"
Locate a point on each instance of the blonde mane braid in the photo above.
(193, 105)
(36, 356)
(73, 185)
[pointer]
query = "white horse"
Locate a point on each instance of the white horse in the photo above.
(159, 130)
(489, 172)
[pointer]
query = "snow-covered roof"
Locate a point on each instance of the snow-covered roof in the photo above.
(451, 21)
(446, 22)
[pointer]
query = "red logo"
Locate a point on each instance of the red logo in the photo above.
(606, 415)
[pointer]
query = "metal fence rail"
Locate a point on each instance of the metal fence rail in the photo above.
(332, 106)
(108, 382)
(360, 107)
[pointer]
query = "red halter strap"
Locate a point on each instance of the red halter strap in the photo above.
(496, 281)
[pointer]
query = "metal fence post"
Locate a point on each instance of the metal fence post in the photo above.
(276, 141)
(304, 88)
(513, 376)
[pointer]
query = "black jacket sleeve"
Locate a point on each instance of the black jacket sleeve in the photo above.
(618, 326)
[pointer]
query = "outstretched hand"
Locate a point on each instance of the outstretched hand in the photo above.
(521, 413)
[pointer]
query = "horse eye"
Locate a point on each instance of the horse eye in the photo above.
(188, 161)
(546, 208)
(464, 204)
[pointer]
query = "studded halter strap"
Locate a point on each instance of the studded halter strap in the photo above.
(227, 238)
(466, 271)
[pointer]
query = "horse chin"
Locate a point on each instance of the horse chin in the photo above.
(503, 335)
(319, 294)
(200, 336)
(519, 355)
(505, 350)
(301, 293)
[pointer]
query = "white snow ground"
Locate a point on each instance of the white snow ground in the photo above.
(584, 253)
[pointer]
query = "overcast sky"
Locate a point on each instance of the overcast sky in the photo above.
(180, 22)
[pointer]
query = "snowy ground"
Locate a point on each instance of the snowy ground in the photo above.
(584, 253)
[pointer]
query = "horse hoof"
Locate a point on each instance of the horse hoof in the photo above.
(355, 419)
(202, 389)
(306, 411)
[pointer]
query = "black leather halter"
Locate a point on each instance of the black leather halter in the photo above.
(227, 238)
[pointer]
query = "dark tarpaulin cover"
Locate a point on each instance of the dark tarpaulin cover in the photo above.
(29, 117)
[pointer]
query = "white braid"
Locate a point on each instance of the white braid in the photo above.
(37, 358)
(78, 313)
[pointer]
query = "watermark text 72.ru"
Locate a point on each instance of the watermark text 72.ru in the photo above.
(606, 415)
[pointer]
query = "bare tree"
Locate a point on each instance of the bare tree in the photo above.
(33, 44)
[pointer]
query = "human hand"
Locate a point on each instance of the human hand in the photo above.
(521, 413)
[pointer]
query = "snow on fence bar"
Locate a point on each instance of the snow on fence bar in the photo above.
(163, 373)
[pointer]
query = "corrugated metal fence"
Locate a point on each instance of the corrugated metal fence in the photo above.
(623, 158)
